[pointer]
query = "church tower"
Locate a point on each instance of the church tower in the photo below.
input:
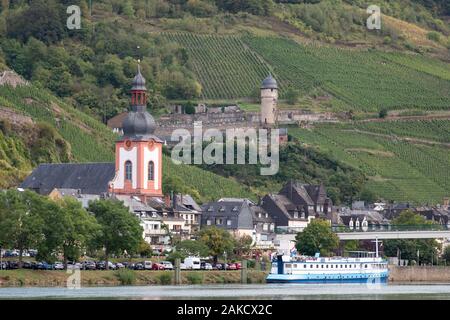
(269, 98)
(138, 151)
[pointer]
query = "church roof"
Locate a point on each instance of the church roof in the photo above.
(138, 81)
(89, 178)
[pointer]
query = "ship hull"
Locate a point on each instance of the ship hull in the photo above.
(328, 278)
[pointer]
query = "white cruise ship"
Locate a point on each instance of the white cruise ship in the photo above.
(360, 266)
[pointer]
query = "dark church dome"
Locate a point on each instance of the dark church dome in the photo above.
(269, 83)
(138, 123)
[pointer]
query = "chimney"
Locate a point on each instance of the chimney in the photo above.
(174, 200)
(167, 200)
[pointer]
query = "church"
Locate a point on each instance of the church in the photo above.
(134, 178)
(137, 170)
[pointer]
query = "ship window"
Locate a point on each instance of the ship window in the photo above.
(317, 266)
(322, 266)
(310, 265)
(331, 266)
(346, 266)
(295, 266)
(337, 266)
(365, 266)
(288, 265)
(350, 266)
(304, 266)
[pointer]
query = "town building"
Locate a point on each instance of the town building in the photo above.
(241, 217)
(296, 204)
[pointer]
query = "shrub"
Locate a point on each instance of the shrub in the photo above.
(165, 278)
(434, 36)
(195, 278)
(126, 276)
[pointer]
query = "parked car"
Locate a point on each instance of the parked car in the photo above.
(74, 265)
(232, 266)
(111, 266)
(27, 265)
(3, 266)
(89, 265)
(208, 266)
(58, 266)
(167, 265)
(238, 265)
(217, 266)
(43, 266)
(148, 265)
(101, 265)
(183, 266)
(158, 266)
(139, 266)
(120, 265)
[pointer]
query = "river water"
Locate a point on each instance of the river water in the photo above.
(231, 291)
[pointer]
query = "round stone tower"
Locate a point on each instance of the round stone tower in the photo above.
(269, 98)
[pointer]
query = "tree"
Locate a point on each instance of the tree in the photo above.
(145, 250)
(292, 96)
(383, 113)
(217, 240)
(69, 229)
(317, 237)
(242, 245)
(408, 248)
(21, 224)
(119, 229)
(192, 248)
(446, 254)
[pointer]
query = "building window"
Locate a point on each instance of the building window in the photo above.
(219, 221)
(208, 222)
(228, 222)
(128, 170)
(265, 226)
(151, 171)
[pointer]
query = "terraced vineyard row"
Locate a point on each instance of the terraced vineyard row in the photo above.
(365, 80)
(225, 66)
(433, 130)
(397, 170)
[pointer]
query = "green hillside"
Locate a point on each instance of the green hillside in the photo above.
(363, 80)
(398, 169)
(225, 66)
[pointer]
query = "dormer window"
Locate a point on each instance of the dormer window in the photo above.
(295, 215)
(235, 209)
(259, 215)
(210, 208)
(222, 209)
(267, 215)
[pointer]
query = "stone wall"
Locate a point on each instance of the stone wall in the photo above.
(419, 273)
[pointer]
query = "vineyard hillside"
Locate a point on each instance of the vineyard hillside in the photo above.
(231, 67)
(404, 161)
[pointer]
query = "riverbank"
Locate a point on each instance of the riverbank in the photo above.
(419, 274)
(42, 278)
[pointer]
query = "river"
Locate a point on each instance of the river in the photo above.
(231, 291)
